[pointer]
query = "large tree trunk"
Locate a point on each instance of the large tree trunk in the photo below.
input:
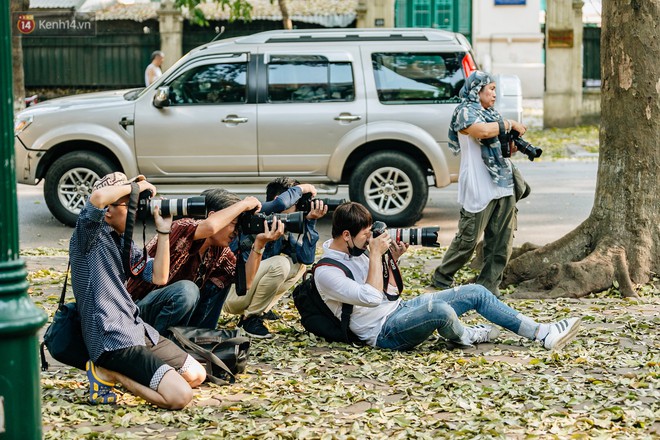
(620, 241)
(17, 56)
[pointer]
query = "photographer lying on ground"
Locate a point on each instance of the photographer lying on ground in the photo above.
(380, 318)
(122, 347)
(200, 253)
(284, 260)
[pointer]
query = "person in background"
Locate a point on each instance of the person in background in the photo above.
(153, 70)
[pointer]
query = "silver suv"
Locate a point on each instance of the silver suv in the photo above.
(363, 107)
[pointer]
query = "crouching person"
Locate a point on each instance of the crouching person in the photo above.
(380, 318)
(202, 262)
(122, 347)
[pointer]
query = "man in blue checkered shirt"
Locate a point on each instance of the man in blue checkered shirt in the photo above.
(122, 347)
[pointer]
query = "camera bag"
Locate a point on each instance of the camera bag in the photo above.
(63, 337)
(315, 315)
(224, 353)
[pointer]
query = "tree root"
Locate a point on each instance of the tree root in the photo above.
(569, 268)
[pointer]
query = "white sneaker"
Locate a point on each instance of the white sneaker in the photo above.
(561, 332)
(481, 333)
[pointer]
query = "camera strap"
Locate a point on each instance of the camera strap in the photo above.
(135, 270)
(390, 263)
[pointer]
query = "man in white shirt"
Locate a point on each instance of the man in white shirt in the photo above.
(381, 319)
(485, 185)
(153, 72)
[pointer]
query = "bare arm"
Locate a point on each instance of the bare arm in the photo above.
(485, 130)
(275, 231)
(161, 268)
(104, 196)
(219, 219)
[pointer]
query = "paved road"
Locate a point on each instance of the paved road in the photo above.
(562, 197)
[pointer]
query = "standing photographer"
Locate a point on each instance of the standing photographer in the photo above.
(382, 319)
(284, 260)
(122, 347)
(200, 253)
(485, 185)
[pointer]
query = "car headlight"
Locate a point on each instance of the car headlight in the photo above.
(21, 123)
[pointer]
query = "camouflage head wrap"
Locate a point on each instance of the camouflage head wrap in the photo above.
(469, 112)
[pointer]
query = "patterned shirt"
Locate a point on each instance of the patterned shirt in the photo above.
(218, 264)
(110, 319)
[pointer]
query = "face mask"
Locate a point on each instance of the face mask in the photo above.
(354, 251)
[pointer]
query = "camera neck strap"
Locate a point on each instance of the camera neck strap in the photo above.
(136, 269)
(389, 264)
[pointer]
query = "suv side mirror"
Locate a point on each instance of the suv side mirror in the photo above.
(162, 97)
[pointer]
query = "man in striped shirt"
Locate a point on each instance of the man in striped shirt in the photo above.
(122, 347)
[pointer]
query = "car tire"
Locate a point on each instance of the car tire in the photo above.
(392, 186)
(69, 182)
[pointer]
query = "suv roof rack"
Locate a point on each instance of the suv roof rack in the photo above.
(337, 35)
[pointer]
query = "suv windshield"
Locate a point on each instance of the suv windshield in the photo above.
(418, 78)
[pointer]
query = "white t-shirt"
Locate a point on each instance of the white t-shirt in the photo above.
(475, 187)
(371, 306)
(155, 72)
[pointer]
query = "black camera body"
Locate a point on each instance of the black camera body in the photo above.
(251, 223)
(194, 207)
(427, 237)
(305, 203)
(523, 146)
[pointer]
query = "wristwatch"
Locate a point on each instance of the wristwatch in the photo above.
(258, 251)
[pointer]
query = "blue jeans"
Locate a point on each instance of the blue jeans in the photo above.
(209, 307)
(169, 306)
(415, 320)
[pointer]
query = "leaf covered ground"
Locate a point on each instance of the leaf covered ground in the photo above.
(602, 385)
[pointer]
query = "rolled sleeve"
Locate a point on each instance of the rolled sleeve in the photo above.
(335, 285)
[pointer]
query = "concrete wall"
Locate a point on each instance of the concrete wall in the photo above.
(375, 13)
(508, 39)
(590, 112)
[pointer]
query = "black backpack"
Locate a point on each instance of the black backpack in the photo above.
(315, 315)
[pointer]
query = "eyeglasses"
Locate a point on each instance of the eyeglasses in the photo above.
(119, 204)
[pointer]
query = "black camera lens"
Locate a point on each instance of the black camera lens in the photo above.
(250, 223)
(305, 203)
(528, 149)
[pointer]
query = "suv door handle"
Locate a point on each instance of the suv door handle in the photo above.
(347, 117)
(234, 119)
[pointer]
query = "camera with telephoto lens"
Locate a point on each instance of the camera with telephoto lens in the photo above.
(194, 207)
(427, 237)
(305, 203)
(523, 146)
(251, 223)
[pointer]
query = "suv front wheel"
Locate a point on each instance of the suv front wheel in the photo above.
(69, 183)
(392, 186)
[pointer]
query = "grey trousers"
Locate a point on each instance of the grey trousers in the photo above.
(497, 222)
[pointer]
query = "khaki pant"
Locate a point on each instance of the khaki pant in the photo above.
(497, 222)
(274, 277)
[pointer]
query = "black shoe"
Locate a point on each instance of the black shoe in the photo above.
(270, 316)
(254, 326)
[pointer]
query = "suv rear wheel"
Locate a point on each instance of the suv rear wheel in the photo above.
(392, 186)
(69, 183)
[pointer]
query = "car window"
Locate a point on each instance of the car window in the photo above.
(309, 78)
(220, 83)
(417, 78)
